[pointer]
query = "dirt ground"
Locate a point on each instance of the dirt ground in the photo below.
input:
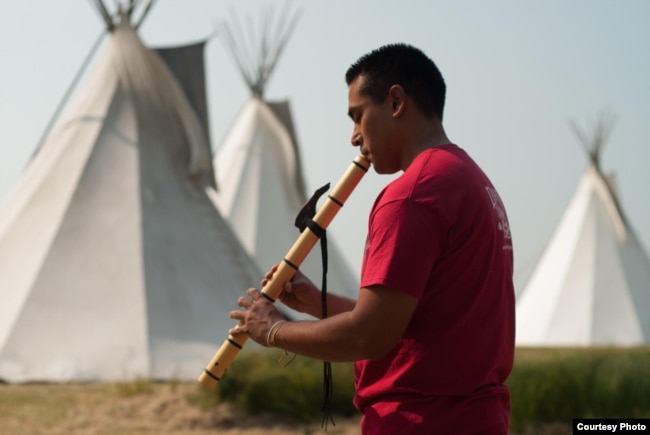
(94, 409)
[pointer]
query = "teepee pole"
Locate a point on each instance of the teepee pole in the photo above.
(110, 25)
(68, 93)
(256, 61)
(143, 15)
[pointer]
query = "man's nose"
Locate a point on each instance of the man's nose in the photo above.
(356, 139)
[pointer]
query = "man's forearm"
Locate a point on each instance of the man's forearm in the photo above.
(331, 339)
(336, 304)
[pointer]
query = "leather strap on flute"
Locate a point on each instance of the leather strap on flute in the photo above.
(292, 261)
(305, 220)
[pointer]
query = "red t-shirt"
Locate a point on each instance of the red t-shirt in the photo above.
(440, 233)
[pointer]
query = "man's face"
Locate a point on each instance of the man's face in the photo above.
(373, 129)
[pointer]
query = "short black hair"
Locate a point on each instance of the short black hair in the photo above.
(404, 65)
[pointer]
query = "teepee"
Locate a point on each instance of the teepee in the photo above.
(592, 283)
(259, 176)
(114, 262)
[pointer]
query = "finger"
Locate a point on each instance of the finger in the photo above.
(270, 273)
(236, 331)
(253, 293)
(244, 302)
(237, 315)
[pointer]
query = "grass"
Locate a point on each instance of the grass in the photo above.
(549, 387)
(281, 384)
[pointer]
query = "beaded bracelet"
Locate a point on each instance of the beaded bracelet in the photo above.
(270, 338)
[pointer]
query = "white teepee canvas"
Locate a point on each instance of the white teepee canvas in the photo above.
(114, 263)
(259, 178)
(592, 284)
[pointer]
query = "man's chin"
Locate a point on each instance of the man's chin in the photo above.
(385, 171)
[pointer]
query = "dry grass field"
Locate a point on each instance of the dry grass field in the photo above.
(134, 408)
(549, 386)
(149, 408)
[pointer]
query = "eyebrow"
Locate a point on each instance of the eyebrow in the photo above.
(351, 111)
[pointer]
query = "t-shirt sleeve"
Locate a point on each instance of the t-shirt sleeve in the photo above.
(403, 245)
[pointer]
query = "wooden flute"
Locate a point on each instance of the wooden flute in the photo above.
(287, 268)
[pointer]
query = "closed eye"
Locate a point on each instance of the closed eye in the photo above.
(355, 116)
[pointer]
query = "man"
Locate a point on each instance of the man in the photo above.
(432, 331)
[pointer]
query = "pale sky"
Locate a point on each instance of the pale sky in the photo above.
(517, 72)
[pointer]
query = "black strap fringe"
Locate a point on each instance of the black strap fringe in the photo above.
(304, 220)
(328, 386)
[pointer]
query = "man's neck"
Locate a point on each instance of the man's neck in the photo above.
(423, 139)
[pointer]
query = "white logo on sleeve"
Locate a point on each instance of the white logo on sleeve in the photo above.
(500, 210)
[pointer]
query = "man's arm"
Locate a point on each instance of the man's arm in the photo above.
(368, 331)
(303, 296)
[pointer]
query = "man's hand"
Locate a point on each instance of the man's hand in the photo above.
(299, 294)
(256, 319)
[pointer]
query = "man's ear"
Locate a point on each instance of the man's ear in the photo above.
(397, 98)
